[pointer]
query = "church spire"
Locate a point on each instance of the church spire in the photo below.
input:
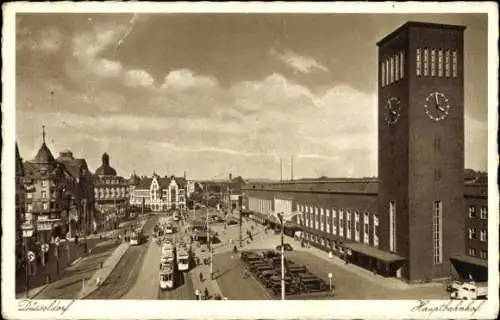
(43, 133)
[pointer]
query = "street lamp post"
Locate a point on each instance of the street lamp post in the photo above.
(27, 233)
(209, 241)
(280, 217)
(330, 275)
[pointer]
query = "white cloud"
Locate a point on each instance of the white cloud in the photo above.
(275, 91)
(138, 78)
(86, 48)
(47, 41)
(108, 69)
(184, 78)
(299, 63)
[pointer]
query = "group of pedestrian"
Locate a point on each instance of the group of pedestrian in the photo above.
(200, 296)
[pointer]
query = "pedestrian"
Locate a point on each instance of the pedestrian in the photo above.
(201, 277)
(197, 294)
(206, 294)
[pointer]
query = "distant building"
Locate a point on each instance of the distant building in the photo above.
(19, 216)
(158, 193)
(111, 193)
(190, 187)
(81, 218)
(49, 189)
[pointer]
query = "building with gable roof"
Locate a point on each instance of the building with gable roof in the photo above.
(49, 188)
(158, 193)
(82, 219)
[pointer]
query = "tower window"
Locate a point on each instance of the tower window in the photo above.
(396, 67)
(401, 65)
(472, 252)
(433, 62)
(392, 226)
(484, 254)
(437, 228)
(472, 211)
(391, 67)
(426, 62)
(382, 74)
(387, 81)
(455, 62)
(483, 235)
(447, 64)
(440, 63)
(418, 62)
(437, 144)
(484, 213)
(472, 233)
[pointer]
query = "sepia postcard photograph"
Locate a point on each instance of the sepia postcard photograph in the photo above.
(249, 160)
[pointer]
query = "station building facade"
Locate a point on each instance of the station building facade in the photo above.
(418, 220)
(158, 193)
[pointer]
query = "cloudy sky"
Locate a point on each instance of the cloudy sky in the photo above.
(217, 93)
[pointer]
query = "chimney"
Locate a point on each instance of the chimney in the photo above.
(230, 177)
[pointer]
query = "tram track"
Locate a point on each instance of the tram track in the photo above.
(126, 272)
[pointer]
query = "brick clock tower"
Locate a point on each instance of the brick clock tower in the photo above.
(421, 148)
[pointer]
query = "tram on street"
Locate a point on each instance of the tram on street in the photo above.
(182, 257)
(167, 275)
(136, 237)
(169, 229)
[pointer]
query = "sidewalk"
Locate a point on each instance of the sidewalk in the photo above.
(109, 265)
(211, 285)
(231, 232)
(103, 273)
(54, 267)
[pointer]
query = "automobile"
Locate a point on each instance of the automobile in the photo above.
(286, 246)
(453, 285)
(270, 254)
(261, 268)
(250, 258)
(264, 276)
(232, 222)
(296, 269)
(255, 267)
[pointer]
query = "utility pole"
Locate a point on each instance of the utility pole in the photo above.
(281, 170)
(291, 168)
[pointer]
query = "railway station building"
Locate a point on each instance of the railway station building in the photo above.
(419, 220)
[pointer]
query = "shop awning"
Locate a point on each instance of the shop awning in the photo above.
(471, 260)
(373, 252)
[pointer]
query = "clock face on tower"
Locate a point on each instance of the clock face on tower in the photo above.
(437, 106)
(392, 111)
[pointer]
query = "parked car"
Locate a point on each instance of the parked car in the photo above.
(295, 269)
(286, 246)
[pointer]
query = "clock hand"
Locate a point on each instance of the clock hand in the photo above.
(436, 96)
